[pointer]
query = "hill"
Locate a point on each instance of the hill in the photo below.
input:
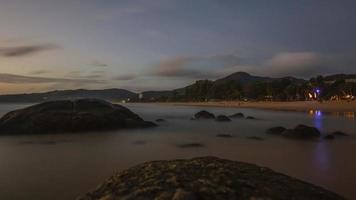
(106, 94)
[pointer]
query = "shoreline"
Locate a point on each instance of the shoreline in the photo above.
(303, 106)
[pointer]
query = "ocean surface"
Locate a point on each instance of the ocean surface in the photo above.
(64, 166)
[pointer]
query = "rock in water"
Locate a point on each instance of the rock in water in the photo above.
(237, 115)
(302, 132)
(339, 133)
(278, 130)
(70, 116)
(204, 115)
(222, 118)
(329, 137)
(205, 178)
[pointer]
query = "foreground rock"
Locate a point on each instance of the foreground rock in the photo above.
(204, 115)
(205, 178)
(222, 118)
(70, 116)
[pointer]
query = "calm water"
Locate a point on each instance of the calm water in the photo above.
(63, 166)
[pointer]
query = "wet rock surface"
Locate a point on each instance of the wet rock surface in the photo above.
(204, 115)
(205, 178)
(70, 116)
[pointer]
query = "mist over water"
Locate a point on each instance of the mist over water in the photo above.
(63, 166)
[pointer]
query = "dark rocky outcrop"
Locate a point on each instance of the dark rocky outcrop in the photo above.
(302, 132)
(237, 115)
(205, 178)
(204, 115)
(70, 116)
(222, 118)
(250, 117)
(278, 130)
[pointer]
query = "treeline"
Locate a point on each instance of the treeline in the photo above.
(283, 89)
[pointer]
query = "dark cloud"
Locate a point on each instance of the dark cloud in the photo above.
(124, 77)
(40, 71)
(18, 51)
(19, 79)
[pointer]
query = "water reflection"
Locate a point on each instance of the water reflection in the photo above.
(321, 156)
(319, 113)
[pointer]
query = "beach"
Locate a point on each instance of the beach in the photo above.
(326, 106)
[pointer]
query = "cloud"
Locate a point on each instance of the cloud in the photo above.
(124, 77)
(40, 71)
(194, 66)
(24, 50)
(97, 63)
(19, 79)
(296, 63)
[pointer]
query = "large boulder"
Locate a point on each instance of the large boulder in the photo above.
(204, 115)
(302, 132)
(205, 178)
(70, 116)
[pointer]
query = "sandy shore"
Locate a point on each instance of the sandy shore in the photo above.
(328, 106)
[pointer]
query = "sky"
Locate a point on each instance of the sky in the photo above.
(165, 44)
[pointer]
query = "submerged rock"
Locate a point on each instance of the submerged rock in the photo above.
(205, 178)
(250, 117)
(278, 130)
(237, 115)
(204, 115)
(222, 118)
(70, 116)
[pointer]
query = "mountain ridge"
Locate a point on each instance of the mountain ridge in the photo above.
(116, 94)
